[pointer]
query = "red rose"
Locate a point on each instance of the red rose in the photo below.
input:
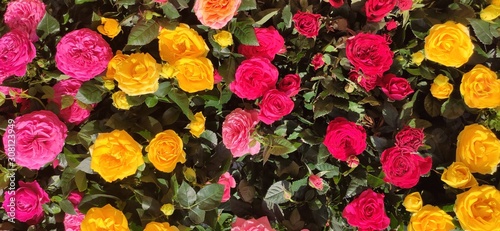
(290, 84)
(411, 138)
(367, 211)
(254, 77)
(391, 25)
(307, 24)
(405, 4)
(270, 44)
(376, 10)
(344, 138)
(274, 105)
(370, 53)
(402, 168)
(337, 3)
(396, 88)
(367, 82)
(317, 61)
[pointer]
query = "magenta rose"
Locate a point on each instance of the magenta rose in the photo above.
(376, 10)
(25, 204)
(337, 3)
(307, 24)
(367, 82)
(25, 15)
(74, 113)
(367, 211)
(274, 105)
(396, 88)
(228, 181)
(39, 137)
(411, 138)
(75, 198)
(16, 51)
(316, 182)
(391, 25)
(317, 61)
(344, 138)
(261, 224)
(254, 77)
(270, 44)
(237, 129)
(290, 84)
(403, 167)
(405, 4)
(217, 77)
(83, 54)
(72, 222)
(370, 53)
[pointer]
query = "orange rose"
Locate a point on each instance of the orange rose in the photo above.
(215, 13)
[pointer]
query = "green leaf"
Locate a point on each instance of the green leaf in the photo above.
(228, 69)
(210, 196)
(163, 89)
(322, 107)
(78, 2)
(390, 114)
(245, 32)
(452, 108)
(265, 15)
(196, 215)
(482, 30)
(432, 106)
(66, 101)
(48, 25)
(355, 186)
(143, 33)
(280, 146)
(2, 98)
(276, 193)
(89, 93)
(151, 101)
(170, 11)
(286, 15)
(186, 196)
(84, 166)
(81, 181)
(180, 98)
(248, 5)
(67, 207)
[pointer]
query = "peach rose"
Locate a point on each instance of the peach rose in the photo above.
(215, 13)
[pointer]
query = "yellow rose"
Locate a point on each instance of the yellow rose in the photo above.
(109, 27)
(223, 38)
(441, 88)
(115, 155)
(120, 100)
(113, 65)
(417, 57)
(479, 149)
(156, 226)
(480, 88)
(195, 74)
(109, 84)
(180, 43)
(413, 202)
(168, 71)
(448, 44)
(105, 218)
(479, 209)
(495, 2)
(138, 74)
(490, 13)
(167, 209)
(197, 126)
(430, 218)
(166, 150)
(458, 176)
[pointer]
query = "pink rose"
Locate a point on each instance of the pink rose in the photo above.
(236, 132)
(74, 113)
(370, 53)
(83, 54)
(396, 88)
(317, 61)
(261, 224)
(274, 105)
(270, 44)
(405, 4)
(72, 222)
(216, 14)
(75, 197)
(337, 3)
(25, 15)
(17, 92)
(307, 24)
(228, 181)
(411, 138)
(367, 211)
(254, 77)
(25, 204)
(290, 85)
(367, 82)
(16, 51)
(217, 77)
(402, 167)
(316, 182)
(391, 25)
(39, 137)
(376, 10)
(344, 138)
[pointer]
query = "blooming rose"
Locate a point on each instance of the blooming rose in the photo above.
(228, 181)
(253, 78)
(274, 105)
(344, 138)
(109, 27)
(449, 44)
(270, 44)
(105, 218)
(236, 132)
(156, 226)
(307, 24)
(72, 222)
(72, 113)
(25, 15)
(337, 3)
(457, 175)
(370, 53)
(120, 100)
(16, 51)
(197, 125)
(316, 182)
(195, 74)
(431, 218)
(317, 61)
(39, 136)
(413, 202)
(25, 204)
(441, 88)
(113, 65)
(395, 88)
(183, 42)
(480, 88)
(367, 82)
(479, 208)
(479, 149)
(223, 38)
(376, 10)
(290, 84)
(115, 155)
(367, 211)
(216, 13)
(138, 74)
(411, 138)
(405, 4)
(165, 150)
(402, 167)
(261, 224)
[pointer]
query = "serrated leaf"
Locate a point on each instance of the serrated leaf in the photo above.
(276, 193)
(143, 33)
(322, 107)
(210, 196)
(355, 186)
(248, 5)
(482, 30)
(180, 98)
(89, 93)
(245, 33)
(48, 25)
(286, 15)
(280, 146)
(186, 196)
(66, 101)
(170, 11)
(67, 207)
(265, 15)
